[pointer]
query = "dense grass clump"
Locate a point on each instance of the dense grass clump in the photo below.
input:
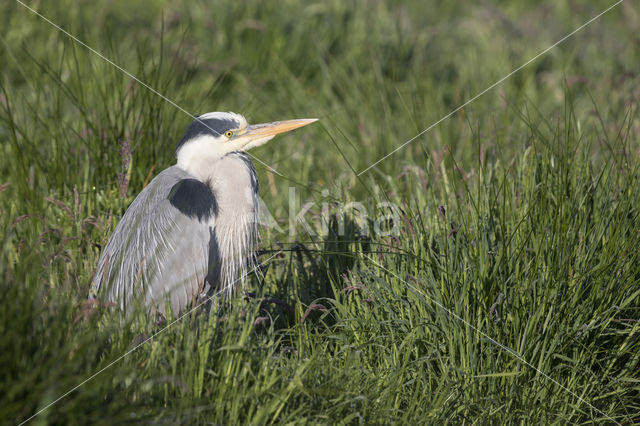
(488, 272)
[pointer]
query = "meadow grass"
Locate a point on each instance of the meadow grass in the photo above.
(509, 294)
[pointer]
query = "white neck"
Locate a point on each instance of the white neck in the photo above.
(236, 224)
(197, 156)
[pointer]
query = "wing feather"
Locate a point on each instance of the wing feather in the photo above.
(160, 249)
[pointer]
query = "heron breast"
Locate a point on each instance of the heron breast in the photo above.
(234, 184)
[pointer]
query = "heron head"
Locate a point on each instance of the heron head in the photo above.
(213, 135)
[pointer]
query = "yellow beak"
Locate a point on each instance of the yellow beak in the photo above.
(256, 131)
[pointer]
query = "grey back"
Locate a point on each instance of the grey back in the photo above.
(159, 251)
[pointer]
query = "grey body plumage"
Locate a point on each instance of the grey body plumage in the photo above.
(168, 243)
(192, 230)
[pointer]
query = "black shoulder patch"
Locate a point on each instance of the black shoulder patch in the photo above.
(194, 199)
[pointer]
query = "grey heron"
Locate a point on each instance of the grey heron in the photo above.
(192, 229)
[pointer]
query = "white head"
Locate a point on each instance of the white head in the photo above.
(213, 135)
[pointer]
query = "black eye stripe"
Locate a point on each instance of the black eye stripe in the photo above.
(220, 126)
(210, 126)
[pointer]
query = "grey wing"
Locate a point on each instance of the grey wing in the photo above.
(163, 248)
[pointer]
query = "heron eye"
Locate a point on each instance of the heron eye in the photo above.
(228, 133)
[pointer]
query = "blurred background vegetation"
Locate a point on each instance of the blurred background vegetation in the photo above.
(519, 213)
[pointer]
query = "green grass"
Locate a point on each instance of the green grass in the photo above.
(519, 220)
